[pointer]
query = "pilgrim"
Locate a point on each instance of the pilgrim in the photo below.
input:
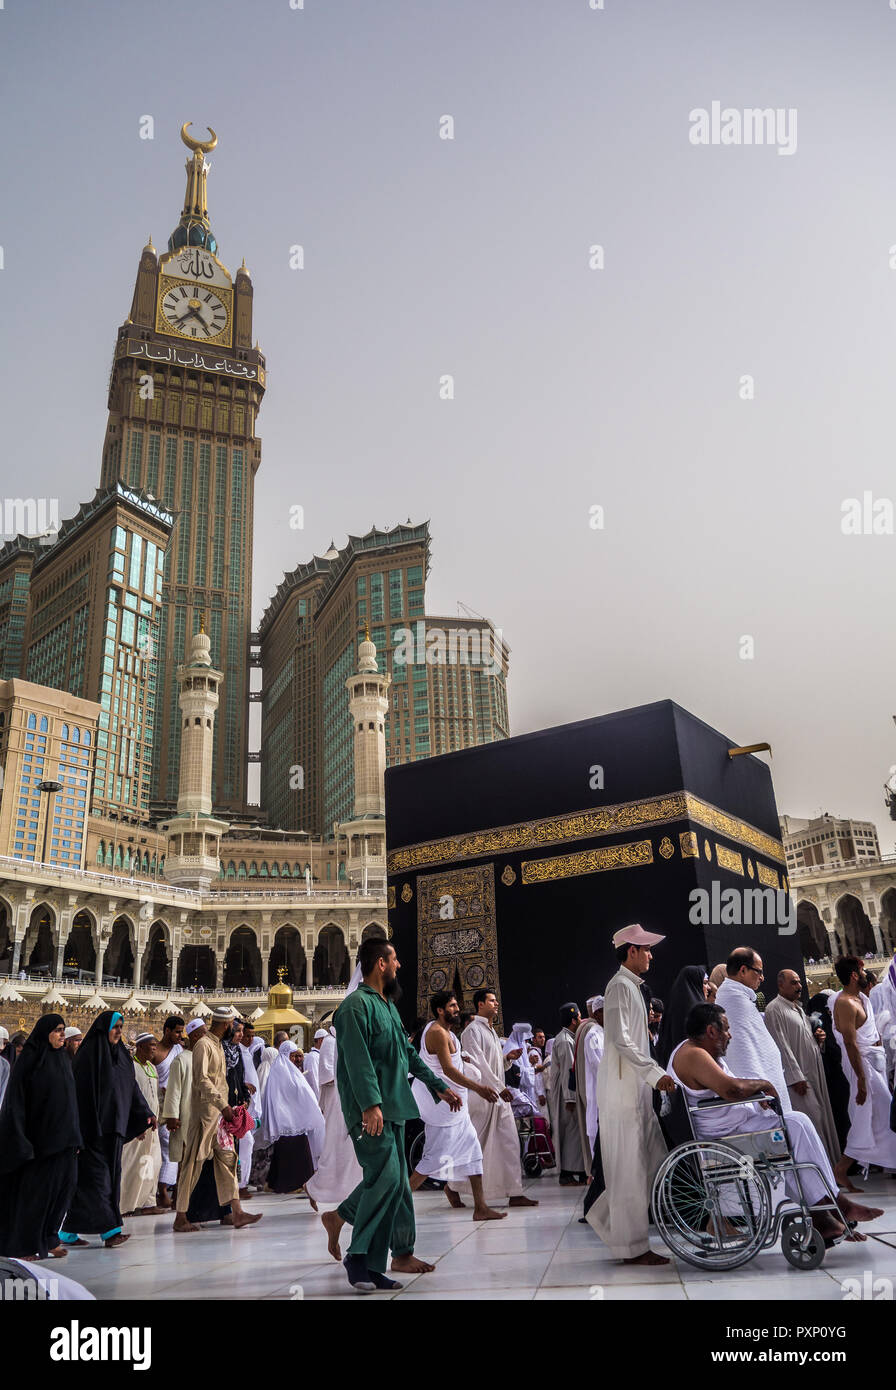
(39, 1137)
(111, 1110)
(247, 1143)
(451, 1151)
(586, 1028)
(870, 1139)
(204, 1205)
(591, 1057)
(801, 1057)
(752, 1051)
(698, 1065)
(883, 1001)
(141, 1158)
(207, 1137)
(168, 1049)
(493, 1121)
(374, 1060)
(631, 1142)
(562, 1100)
(311, 1064)
(291, 1121)
(338, 1171)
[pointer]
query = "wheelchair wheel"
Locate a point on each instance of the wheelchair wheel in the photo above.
(793, 1229)
(711, 1207)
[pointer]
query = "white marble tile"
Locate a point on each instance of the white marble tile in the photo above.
(815, 1286)
(614, 1293)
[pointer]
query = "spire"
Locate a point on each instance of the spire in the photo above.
(194, 228)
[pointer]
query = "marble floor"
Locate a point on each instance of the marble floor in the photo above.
(536, 1253)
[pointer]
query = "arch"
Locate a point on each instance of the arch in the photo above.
(241, 871)
(242, 960)
(118, 962)
(6, 936)
(44, 726)
(812, 934)
(101, 852)
(887, 918)
(39, 946)
(331, 959)
(230, 871)
(854, 926)
(157, 955)
(196, 966)
(80, 949)
(373, 929)
(288, 953)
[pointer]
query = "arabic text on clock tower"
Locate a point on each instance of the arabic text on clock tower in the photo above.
(184, 393)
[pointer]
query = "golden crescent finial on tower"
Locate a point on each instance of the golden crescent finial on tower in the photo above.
(206, 146)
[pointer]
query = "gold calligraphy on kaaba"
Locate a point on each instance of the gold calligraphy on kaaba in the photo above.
(588, 861)
(729, 859)
(583, 825)
(457, 937)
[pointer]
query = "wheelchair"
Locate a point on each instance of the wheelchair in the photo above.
(714, 1200)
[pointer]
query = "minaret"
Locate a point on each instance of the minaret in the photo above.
(366, 832)
(193, 855)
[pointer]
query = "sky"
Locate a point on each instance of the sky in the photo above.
(719, 388)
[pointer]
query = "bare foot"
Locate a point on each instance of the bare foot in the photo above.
(488, 1214)
(648, 1258)
(847, 1185)
(79, 1241)
(312, 1201)
(245, 1194)
(827, 1225)
(523, 1202)
(856, 1235)
(854, 1212)
(58, 1252)
(181, 1223)
(244, 1219)
(454, 1198)
(409, 1264)
(333, 1224)
(114, 1241)
(226, 1220)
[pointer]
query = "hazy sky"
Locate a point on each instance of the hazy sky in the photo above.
(574, 387)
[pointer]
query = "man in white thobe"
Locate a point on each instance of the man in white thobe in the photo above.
(311, 1064)
(801, 1057)
(631, 1142)
(247, 1143)
(141, 1158)
(168, 1049)
(883, 1001)
(752, 1050)
(870, 1139)
(494, 1123)
(591, 1052)
(563, 1101)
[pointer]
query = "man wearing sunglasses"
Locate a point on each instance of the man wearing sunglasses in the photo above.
(752, 1050)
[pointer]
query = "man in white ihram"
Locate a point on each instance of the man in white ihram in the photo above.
(752, 1051)
(631, 1142)
(698, 1065)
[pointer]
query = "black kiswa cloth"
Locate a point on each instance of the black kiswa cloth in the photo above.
(39, 1116)
(109, 1099)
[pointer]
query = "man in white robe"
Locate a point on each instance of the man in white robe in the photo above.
(168, 1049)
(883, 1001)
(591, 1054)
(562, 1101)
(752, 1051)
(338, 1171)
(631, 1142)
(870, 1139)
(311, 1064)
(141, 1158)
(247, 1143)
(801, 1059)
(494, 1123)
(698, 1065)
(451, 1152)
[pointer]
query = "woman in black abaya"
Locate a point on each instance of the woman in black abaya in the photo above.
(39, 1137)
(111, 1110)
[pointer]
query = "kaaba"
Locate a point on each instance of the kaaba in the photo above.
(511, 865)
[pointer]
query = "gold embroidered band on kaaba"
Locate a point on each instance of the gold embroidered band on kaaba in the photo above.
(582, 825)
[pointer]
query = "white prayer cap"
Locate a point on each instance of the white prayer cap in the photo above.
(595, 1002)
(144, 1037)
(321, 1033)
(193, 1025)
(222, 1012)
(4, 1035)
(69, 1033)
(635, 935)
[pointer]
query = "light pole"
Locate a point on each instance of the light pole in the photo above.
(49, 788)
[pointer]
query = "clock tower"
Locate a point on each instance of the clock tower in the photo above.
(185, 389)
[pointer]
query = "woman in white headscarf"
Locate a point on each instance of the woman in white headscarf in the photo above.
(519, 1040)
(291, 1121)
(263, 1152)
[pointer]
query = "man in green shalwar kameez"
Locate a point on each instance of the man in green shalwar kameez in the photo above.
(373, 1061)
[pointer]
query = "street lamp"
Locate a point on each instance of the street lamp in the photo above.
(49, 788)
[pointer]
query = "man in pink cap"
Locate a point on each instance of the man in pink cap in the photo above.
(631, 1142)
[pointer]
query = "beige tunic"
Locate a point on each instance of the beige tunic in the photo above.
(141, 1159)
(208, 1097)
(801, 1058)
(176, 1104)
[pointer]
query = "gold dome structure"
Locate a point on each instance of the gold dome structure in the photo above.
(280, 1013)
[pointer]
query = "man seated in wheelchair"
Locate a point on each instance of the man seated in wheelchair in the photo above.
(698, 1066)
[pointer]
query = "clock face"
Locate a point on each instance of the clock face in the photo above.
(194, 311)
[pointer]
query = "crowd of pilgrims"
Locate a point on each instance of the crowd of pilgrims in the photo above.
(203, 1117)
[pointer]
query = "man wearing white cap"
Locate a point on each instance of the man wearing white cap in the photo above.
(141, 1158)
(311, 1064)
(585, 1030)
(631, 1142)
(592, 1053)
(71, 1041)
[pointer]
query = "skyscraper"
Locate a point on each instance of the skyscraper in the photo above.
(185, 389)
